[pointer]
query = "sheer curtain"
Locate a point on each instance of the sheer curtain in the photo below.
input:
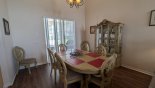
(60, 31)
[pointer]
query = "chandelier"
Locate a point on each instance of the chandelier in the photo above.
(75, 3)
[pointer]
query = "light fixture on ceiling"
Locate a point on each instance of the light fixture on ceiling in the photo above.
(75, 3)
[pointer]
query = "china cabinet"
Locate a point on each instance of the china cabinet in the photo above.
(109, 34)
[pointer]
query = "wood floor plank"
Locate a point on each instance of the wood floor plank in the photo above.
(40, 78)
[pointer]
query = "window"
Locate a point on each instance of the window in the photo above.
(60, 32)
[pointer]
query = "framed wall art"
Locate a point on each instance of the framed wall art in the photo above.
(6, 26)
(152, 18)
(93, 29)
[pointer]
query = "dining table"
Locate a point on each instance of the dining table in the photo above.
(86, 63)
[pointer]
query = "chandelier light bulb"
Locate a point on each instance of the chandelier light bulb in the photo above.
(75, 3)
(78, 1)
(70, 1)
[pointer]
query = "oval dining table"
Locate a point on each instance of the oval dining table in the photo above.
(86, 63)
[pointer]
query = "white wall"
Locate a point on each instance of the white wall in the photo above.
(26, 18)
(6, 60)
(138, 38)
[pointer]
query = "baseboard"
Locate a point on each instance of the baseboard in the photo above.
(139, 70)
(11, 83)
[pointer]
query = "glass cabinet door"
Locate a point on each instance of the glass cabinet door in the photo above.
(98, 39)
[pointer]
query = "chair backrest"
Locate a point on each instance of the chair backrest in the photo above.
(85, 46)
(108, 66)
(18, 53)
(62, 47)
(51, 55)
(70, 44)
(101, 50)
(61, 66)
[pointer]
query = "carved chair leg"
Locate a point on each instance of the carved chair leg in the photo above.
(82, 83)
(36, 64)
(111, 83)
(55, 75)
(55, 72)
(86, 79)
(51, 71)
(29, 69)
(102, 84)
(18, 68)
(65, 84)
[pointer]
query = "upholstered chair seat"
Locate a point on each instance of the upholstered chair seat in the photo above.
(28, 61)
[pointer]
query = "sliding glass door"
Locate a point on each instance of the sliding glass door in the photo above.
(60, 32)
(69, 34)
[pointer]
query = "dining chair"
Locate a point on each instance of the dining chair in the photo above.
(19, 55)
(53, 62)
(70, 44)
(66, 75)
(62, 48)
(101, 50)
(104, 78)
(85, 46)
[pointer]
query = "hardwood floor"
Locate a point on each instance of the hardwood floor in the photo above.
(40, 78)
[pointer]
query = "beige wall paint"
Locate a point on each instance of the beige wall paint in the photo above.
(26, 19)
(138, 38)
